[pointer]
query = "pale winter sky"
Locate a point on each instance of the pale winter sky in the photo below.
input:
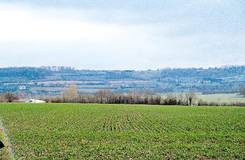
(122, 34)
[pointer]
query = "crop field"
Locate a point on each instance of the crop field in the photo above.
(92, 131)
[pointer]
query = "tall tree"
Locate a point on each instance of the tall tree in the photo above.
(70, 93)
(190, 97)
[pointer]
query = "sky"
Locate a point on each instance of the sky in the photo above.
(122, 34)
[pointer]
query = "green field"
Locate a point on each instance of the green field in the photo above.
(91, 131)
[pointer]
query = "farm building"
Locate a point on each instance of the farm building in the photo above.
(35, 101)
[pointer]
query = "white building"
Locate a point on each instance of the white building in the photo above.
(35, 101)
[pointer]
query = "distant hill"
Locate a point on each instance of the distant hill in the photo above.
(52, 80)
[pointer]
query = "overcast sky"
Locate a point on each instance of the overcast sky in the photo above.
(122, 34)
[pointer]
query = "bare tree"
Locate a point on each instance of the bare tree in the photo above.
(190, 97)
(70, 94)
(181, 99)
(171, 99)
(103, 96)
(10, 97)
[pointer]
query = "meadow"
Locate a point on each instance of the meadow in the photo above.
(93, 131)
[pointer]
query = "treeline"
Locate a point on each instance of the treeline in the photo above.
(108, 97)
(71, 95)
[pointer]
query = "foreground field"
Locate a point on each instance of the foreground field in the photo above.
(90, 131)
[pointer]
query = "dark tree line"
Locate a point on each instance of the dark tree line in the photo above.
(71, 95)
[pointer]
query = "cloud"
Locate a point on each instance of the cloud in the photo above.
(19, 24)
(29, 35)
(103, 38)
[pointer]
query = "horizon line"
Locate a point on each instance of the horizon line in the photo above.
(164, 68)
